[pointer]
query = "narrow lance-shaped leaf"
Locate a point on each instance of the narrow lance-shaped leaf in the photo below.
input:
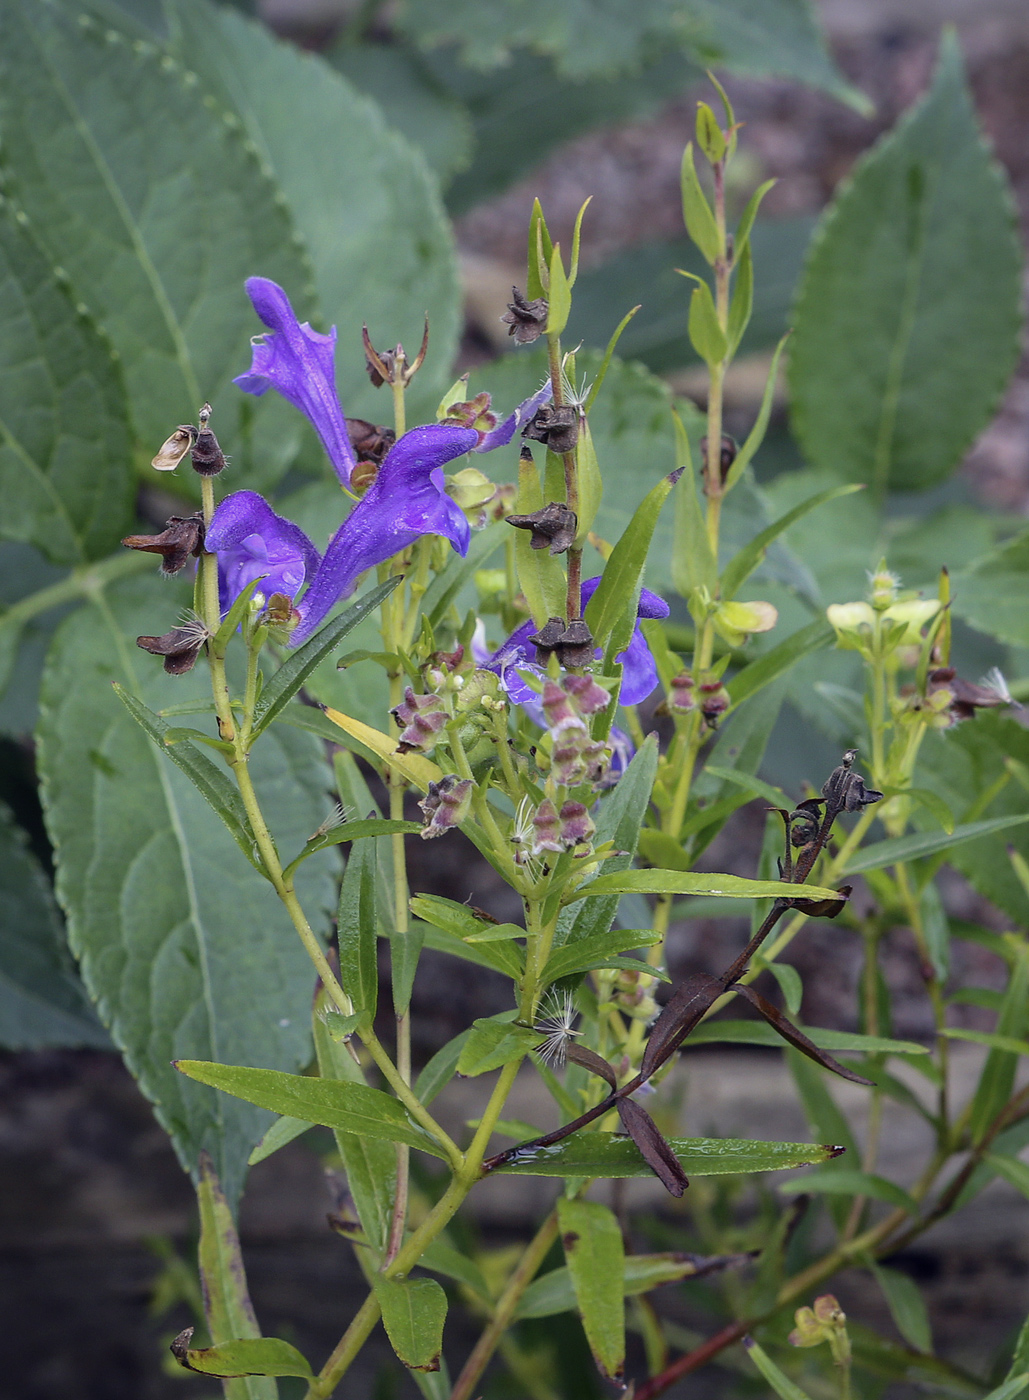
(287, 680)
(777, 1379)
(695, 882)
(926, 843)
(592, 1240)
(227, 1307)
(795, 1037)
(358, 930)
(611, 612)
(693, 562)
(605, 1155)
(739, 569)
(756, 436)
(353, 1108)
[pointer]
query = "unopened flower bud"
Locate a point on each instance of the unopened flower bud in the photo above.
(280, 613)
(908, 618)
(421, 717)
(736, 621)
(589, 697)
(853, 623)
(557, 707)
(547, 828)
(472, 491)
(576, 824)
(362, 476)
(680, 694)
(446, 805)
(714, 701)
(883, 587)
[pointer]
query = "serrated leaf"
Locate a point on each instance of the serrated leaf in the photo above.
(42, 1000)
(907, 317)
(413, 1313)
(595, 1256)
(227, 1307)
(605, 1155)
(151, 201)
(188, 952)
(352, 1108)
(389, 267)
(65, 441)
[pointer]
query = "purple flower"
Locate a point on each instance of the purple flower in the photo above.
(252, 542)
(406, 500)
(639, 673)
(300, 364)
(502, 434)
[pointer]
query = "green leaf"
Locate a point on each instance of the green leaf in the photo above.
(358, 930)
(413, 1313)
(401, 83)
(742, 304)
(756, 436)
(777, 1379)
(188, 952)
(445, 587)
(493, 1041)
(294, 671)
(995, 1042)
(596, 950)
(212, 782)
(369, 1162)
(1013, 1386)
(693, 562)
(1014, 1171)
(552, 1292)
(696, 212)
(153, 204)
(990, 594)
(695, 882)
(998, 1075)
(743, 565)
(846, 1182)
(749, 783)
(227, 1307)
(611, 612)
(906, 1305)
(65, 440)
(720, 1032)
(440, 1069)
(936, 928)
(387, 268)
(926, 843)
(595, 1255)
(374, 827)
(907, 318)
(605, 1155)
(559, 294)
(257, 1357)
(706, 335)
(352, 1108)
(773, 36)
(775, 663)
(42, 1000)
(282, 1131)
(451, 1263)
(750, 212)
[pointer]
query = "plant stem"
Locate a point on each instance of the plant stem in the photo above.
(524, 1273)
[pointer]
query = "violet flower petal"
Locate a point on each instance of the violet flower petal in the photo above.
(639, 672)
(502, 434)
(251, 542)
(406, 500)
(300, 364)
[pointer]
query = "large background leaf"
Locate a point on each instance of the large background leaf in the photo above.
(361, 198)
(42, 1001)
(65, 443)
(184, 946)
(907, 317)
(156, 207)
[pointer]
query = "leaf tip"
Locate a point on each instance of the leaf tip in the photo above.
(833, 1149)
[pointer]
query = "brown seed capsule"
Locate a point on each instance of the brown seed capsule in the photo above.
(180, 647)
(726, 457)
(547, 638)
(552, 528)
(527, 319)
(575, 646)
(556, 426)
(369, 441)
(183, 536)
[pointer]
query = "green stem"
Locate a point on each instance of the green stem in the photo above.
(85, 581)
(526, 1270)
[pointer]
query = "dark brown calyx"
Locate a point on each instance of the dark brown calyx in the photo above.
(557, 426)
(527, 319)
(552, 528)
(182, 536)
